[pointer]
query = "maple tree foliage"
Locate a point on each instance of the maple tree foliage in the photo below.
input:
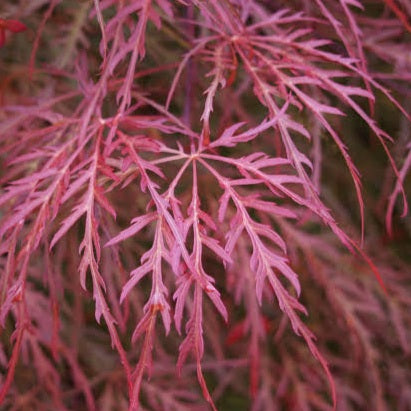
(183, 224)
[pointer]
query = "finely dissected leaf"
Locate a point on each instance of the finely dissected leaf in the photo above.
(78, 211)
(187, 165)
(228, 138)
(137, 224)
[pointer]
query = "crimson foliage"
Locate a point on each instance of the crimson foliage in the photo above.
(186, 173)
